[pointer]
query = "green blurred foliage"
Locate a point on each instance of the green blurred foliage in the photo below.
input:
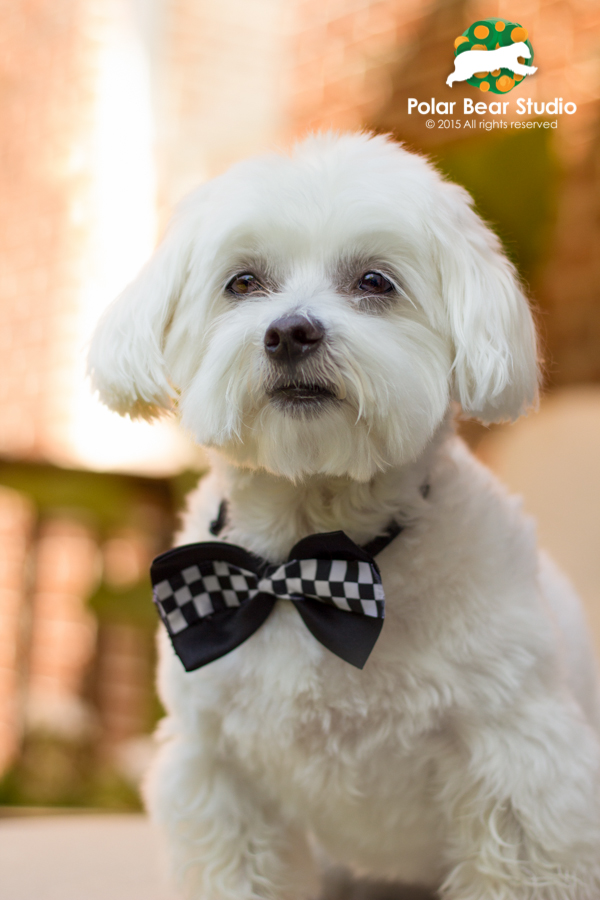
(514, 178)
(54, 771)
(181, 485)
(106, 500)
(131, 606)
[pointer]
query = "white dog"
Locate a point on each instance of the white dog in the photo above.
(314, 315)
(470, 62)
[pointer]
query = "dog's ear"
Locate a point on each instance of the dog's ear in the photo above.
(125, 360)
(495, 369)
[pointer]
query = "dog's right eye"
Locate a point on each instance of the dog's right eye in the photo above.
(245, 283)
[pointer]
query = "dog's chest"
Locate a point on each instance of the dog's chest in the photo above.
(330, 744)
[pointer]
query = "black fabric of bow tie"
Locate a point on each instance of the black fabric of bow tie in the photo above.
(212, 596)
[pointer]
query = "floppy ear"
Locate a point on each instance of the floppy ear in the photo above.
(495, 370)
(125, 360)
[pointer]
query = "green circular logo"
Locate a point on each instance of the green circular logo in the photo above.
(492, 34)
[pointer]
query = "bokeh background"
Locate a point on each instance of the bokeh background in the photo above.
(110, 111)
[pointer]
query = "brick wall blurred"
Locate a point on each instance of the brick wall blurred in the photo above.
(47, 53)
(221, 70)
(123, 674)
(355, 62)
(16, 520)
(63, 630)
(341, 55)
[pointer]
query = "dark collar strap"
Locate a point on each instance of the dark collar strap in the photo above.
(372, 547)
(217, 525)
(382, 541)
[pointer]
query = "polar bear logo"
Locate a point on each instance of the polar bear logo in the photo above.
(471, 62)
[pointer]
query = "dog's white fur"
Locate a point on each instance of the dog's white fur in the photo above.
(469, 62)
(465, 756)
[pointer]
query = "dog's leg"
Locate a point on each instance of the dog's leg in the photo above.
(523, 804)
(224, 843)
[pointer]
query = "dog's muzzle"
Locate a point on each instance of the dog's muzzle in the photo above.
(292, 344)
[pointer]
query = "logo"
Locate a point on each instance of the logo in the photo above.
(492, 55)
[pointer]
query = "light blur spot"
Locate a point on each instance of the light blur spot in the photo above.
(121, 240)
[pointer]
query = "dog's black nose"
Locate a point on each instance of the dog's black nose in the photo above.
(291, 338)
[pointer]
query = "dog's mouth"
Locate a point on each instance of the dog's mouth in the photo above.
(298, 390)
(298, 396)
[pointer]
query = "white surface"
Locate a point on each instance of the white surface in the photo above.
(81, 857)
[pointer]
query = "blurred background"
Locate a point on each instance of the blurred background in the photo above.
(110, 111)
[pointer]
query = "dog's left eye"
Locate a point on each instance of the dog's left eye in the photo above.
(374, 283)
(245, 283)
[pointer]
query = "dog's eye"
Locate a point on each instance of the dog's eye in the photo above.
(374, 283)
(246, 283)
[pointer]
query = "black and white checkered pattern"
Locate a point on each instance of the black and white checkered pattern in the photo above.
(213, 585)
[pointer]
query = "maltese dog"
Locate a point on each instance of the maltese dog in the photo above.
(364, 657)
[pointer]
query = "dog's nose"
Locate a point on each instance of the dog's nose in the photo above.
(291, 338)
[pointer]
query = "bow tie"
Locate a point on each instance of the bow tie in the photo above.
(212, 596)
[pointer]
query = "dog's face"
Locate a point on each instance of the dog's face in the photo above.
(316, 313)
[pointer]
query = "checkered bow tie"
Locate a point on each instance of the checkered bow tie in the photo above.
(212, 596)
